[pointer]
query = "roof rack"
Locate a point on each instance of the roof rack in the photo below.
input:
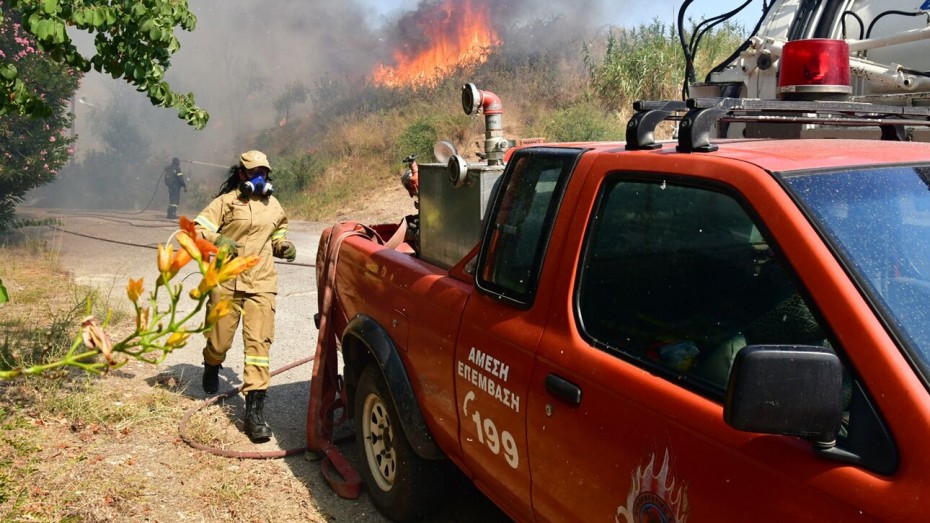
(699, 118)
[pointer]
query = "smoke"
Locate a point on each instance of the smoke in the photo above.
(244, 55)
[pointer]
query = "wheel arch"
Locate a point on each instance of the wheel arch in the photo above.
(365, 340)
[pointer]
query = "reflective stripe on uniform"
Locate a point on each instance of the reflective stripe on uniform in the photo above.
(205, 223)
(279, 233)
(258, 361)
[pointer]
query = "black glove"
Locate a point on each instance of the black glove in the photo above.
(229, 244)
(287, 250)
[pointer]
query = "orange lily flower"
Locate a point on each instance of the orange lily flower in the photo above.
(177, 340)
(181, 258)
(217, 275)
(206, 248)
(134, 289)
(186, 225)
(222, 308)
(236, 267)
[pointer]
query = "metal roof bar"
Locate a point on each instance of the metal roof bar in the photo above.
(640, 130)
(698, 126)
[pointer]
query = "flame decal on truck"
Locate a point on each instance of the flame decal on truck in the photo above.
(655, 497)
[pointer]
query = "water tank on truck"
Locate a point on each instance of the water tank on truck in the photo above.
(454, 193)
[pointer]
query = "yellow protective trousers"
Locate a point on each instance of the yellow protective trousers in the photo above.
(257, 314)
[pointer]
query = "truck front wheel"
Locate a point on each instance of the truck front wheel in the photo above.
(400, 483)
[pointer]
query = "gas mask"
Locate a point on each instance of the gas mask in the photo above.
(258, 185)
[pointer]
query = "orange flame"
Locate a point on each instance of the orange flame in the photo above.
(457, 34)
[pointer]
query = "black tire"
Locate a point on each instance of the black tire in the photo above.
(402, 485)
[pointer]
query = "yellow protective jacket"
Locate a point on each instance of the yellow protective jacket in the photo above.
(258, 226)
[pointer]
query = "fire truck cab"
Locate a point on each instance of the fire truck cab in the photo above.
(712, 329)
(708, 330)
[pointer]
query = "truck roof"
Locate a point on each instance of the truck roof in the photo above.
(809, 154)
(785, 155)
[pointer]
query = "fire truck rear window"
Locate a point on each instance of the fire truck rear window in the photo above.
(522, 220)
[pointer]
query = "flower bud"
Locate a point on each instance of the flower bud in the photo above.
(142, 319)
(164, 257)
(134, 289)
(189, 245)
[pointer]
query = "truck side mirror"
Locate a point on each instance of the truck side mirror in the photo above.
(786, 389)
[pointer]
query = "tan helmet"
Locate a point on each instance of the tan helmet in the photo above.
(253, 159)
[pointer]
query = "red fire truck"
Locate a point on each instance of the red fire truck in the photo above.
(705, 329)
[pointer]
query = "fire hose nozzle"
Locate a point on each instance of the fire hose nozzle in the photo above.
(474, 100)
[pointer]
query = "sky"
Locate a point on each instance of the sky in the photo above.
(244, 53)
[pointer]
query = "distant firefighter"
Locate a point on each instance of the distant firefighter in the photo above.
(174, 179)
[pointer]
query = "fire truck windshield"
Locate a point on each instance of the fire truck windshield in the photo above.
(878, 222)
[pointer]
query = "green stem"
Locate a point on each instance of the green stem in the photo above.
(74, 361)
(196, 309)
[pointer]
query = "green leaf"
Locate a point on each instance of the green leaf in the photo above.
(155, 34)
(33, 22)
(43, 29)
(99, 17)
(158, 95)
(58, 35)
(50, 6)
(8, 71)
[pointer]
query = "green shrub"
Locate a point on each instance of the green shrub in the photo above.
(581, 122)
(646, 63)
(294, 174)
(418, 138)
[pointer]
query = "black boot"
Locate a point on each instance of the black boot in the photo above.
(255, 427)
(211, 378)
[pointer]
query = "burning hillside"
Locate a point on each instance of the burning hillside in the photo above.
(437, 39)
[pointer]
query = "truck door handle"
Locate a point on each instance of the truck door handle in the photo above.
(563, 389)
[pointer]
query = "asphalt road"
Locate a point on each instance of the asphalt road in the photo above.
(104, 249)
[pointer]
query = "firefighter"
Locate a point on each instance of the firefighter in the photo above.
(247, 220)
(174, 179)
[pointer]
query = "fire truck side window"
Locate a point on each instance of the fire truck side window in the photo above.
(521, 220)
(679, 278)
